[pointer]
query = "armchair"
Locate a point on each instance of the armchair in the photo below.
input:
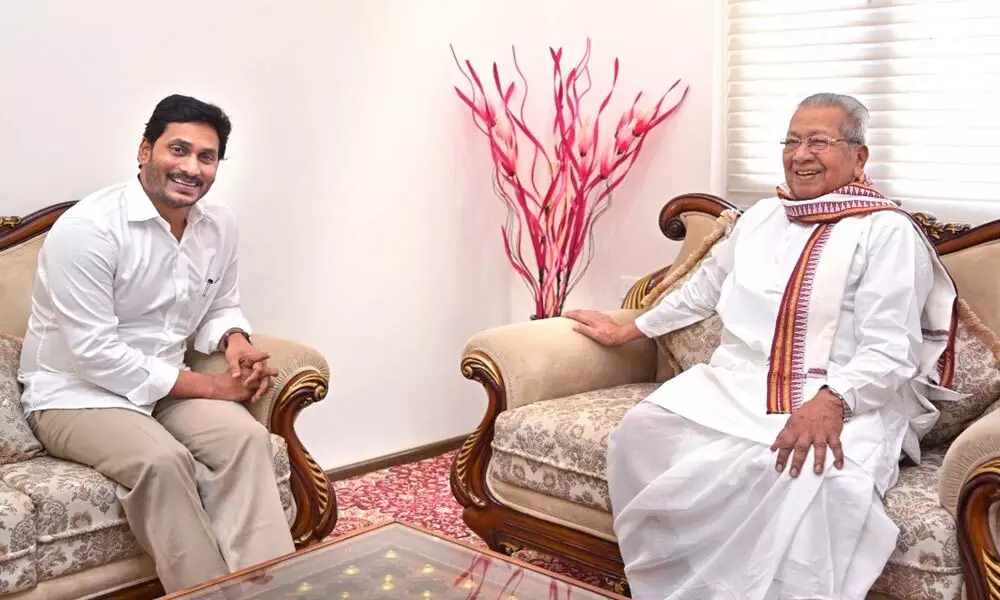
(533, 473)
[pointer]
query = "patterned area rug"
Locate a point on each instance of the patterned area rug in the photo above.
(420, 494)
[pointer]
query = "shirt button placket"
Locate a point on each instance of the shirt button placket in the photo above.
(180, 291)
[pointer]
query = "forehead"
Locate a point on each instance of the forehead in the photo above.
(201, 136)
(810, 120)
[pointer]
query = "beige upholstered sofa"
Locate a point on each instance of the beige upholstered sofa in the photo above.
(532, 475)
(63, 534)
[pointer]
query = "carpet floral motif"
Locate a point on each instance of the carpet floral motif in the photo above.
(420, 494)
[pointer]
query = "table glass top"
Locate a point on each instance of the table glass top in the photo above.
(394, 561)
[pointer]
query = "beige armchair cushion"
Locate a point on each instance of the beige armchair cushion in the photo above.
(974, 447)
(978, 285)
(18, 264)
(559, 447)
(17, 442)
(546, 359)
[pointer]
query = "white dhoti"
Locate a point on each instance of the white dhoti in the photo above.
(701, 514)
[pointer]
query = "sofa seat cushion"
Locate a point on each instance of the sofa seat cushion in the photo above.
(17, 541)
(79, 523)
(77, 520)
(17, 442)
(926, 562)
(559, 447)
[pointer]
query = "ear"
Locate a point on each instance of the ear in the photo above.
(145, 152)
(862, 160)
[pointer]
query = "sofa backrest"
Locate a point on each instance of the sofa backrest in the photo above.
(974, 269)
(20, 241)
(18, 267)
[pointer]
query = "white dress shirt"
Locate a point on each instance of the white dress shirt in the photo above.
(116, 297)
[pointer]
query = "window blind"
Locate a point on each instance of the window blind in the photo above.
(927, 70)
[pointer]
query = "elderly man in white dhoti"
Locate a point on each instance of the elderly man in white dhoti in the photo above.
(760, 475)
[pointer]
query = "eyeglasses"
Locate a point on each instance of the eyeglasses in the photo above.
(813, 144)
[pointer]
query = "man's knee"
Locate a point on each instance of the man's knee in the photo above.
(635, 420)
(168, 461)
(627, 430)
(249, 435)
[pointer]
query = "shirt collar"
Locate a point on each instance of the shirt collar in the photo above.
(140, 208)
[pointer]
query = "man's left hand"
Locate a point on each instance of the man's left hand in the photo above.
(251, 363)
(816, 425)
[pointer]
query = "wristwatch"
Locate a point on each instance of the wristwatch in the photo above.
(224, 342)
(848, 413)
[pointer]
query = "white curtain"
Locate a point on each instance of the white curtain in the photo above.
(928, 71)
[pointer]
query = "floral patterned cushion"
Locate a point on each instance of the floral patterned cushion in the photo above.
(17, 443)
(559, 447)
(977, 373)
(926, 563)
(692, 345)
(17, 541)
(76, 521)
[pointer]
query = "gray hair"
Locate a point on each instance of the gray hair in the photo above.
(855, 126)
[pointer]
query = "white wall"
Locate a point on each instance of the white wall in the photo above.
(368, 225)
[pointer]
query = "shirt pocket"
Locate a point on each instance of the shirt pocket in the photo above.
(204, 285)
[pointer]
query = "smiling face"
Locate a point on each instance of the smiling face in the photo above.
(179, 168)
(811, 172)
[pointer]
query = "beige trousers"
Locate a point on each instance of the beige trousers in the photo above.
(196, 482)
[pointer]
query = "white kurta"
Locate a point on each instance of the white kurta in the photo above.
(700, 511)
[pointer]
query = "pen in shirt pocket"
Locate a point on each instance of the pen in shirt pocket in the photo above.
(208, 284)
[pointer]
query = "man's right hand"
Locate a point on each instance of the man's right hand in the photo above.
(236, 389)
(601, 328)
(250, 364)
(251, 383)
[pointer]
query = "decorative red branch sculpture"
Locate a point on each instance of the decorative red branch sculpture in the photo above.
(578, 172)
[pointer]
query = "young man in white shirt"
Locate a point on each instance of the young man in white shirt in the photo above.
(124, 278)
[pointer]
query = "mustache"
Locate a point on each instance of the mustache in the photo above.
(182, 178)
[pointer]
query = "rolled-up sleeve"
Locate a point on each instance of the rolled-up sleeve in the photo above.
(79, 260)
(224, 313)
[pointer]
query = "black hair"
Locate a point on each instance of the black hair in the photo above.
(185, 109)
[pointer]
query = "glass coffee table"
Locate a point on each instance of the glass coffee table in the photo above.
(394, 560)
